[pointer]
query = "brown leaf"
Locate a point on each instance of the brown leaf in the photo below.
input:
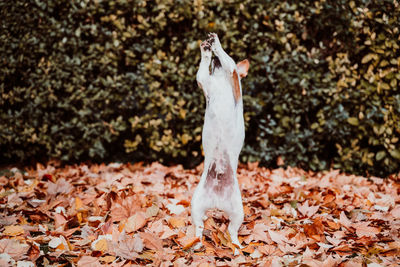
(315, 230)
(396, 212)
(344, 220)
(277, 237)
(125, 208)
(13, 248)
(126, 246)
(362, 229)
(88, 261)
(307, 210)
(151, 241)
(59, 220)
(60, 187)
(259, 233)
(135, 222)
(177, 222)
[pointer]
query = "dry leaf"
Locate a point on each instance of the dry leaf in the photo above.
(135, 222)
(177, 222)
(127, 247)
(122, 214)
(277, 237)
(88, 261)
(13, 230)
(151, 241)
(307, 210)
(13, 248)
(187, 242)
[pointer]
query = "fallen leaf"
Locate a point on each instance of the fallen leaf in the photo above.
(306, 210)
(187, 242)
(61, 186)
(277, 237)
(152, 211)
(256, 254)
(13, 248)
(362, 229)
(107, 259)
(135, 222)
(344, 220)
(100, 245)
(175, 209)
(127, 247)
(88, 261)
(13, 230)
(396, 212)
(151, 241)
(177, 222)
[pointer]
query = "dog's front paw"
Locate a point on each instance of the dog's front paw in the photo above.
(213, 40)
(205, 49)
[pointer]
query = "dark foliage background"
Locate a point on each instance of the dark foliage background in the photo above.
(115, 80)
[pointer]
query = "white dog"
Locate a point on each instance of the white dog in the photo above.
(223, 137)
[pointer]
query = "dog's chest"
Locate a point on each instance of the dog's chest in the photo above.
(221, 107)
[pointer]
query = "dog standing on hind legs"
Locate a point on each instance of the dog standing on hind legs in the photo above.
(222, 139)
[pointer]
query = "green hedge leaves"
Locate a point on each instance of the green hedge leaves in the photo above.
(115, 80)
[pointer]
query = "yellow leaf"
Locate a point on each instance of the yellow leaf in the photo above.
(353, 121)
(368, 57)
(182, 113)
(101, 245)
(13, 230)
(79, 217)
(78, 203)
(185, 138)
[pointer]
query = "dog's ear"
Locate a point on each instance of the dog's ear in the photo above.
(243, 67)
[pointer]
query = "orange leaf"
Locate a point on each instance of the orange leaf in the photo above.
(177, 222)
(187, 242)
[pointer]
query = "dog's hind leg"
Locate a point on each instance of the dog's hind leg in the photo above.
(236, 216)
(199, 205)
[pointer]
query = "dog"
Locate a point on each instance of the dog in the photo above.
(222, 137)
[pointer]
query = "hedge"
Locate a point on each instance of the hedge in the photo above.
(115, 80)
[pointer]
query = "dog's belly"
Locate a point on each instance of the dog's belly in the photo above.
(223, 138)
(223, 134)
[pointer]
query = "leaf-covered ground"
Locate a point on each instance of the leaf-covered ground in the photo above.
(124, 215)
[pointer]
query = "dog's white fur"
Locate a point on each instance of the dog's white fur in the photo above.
(223, 137)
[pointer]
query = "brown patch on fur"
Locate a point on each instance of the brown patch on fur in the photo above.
(236, 86)
(243, 68)
(218, 182)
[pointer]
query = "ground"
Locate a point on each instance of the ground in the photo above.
(123, 214)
